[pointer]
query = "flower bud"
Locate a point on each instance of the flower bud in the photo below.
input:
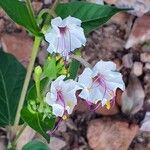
(37, 73)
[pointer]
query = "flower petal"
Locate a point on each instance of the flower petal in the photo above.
(103, 66)
(72, 20)
(85, 78)
(58, 110)
(56, 21)
(50, 98)
(78, 33)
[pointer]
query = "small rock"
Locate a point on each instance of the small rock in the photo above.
(26, 136)
(37, 6)
(118, 63)
(120, 18)
(146, 48)
(145, 57)
(146, 123)
(147, 104)
(62, 127)
(140, 31)
(46, 2)
(56, 143)
(128, 60)
(70, 124)
(110, 1)
(2, 13)
(96, 1)
(2, 25)
(42, 55)
(3, 143)
(147, 66)
(19, 44)
(137, 68)
(108, 134)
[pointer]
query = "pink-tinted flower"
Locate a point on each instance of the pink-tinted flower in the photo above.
(100, 83)
(62, 96)
(65, 35)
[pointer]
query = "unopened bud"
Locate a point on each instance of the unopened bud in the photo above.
(37, 73)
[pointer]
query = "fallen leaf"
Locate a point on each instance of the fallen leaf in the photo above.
(133, 96)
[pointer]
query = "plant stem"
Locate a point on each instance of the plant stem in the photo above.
(55, 4)
(38, 90)
(30, 10)
(27, 78)
(52, 10)
(81, 60)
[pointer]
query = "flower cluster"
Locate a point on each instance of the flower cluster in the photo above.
(97, 85)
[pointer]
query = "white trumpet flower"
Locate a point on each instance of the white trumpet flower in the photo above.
(65, 35)
(62, 96)
(100, 83)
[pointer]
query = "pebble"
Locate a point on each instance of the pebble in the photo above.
(145, 57)
(110, 134)
(128, 60)
(137, 68)
(37, 6)
(18, 44)
(147, 66)
(46, 2)
(2, 25)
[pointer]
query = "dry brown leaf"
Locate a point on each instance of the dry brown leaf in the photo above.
(133, 96)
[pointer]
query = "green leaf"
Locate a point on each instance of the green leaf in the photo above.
(31, 94)
(36, 122)
(92, 15)
(36, 145)
(50, 69)
(73, 69)
(12, 75)
(19, 13)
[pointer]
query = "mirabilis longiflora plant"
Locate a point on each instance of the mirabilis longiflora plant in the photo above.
(97, 85)
(54, 93)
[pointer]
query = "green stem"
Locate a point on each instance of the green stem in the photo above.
(81, 60)
(30, 10)
(27, 78)
(55, 4)
(52, 10)
(38, 90)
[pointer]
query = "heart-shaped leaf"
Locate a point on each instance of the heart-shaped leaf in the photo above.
(12, 75)
(36, 122)
(92, 15)
(19, 13)
(36, 145)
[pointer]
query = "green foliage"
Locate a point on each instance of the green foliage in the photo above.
(73, 69)
(50, 69)
(92, 15)
(32, 94)
(12, 75)
(19, 12)
(35, 121)
(38, 115)
(36, 145)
